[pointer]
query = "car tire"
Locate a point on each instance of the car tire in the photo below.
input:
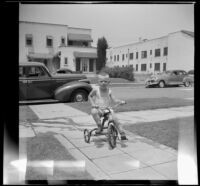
(161, 84)
(79, 96)
(187, 83)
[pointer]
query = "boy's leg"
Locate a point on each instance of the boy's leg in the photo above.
(117, 124)
(96, 115)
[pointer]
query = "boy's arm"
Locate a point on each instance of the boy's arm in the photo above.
(90, 97)
(114, 99)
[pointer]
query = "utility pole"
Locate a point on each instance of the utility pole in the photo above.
(128, 57)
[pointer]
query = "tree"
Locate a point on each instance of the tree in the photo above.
(102, 45)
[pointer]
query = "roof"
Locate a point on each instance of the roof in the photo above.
(31, 22)
(79, 37)
(30, 63)
(85, 54)
(40, 55)
(188, 33)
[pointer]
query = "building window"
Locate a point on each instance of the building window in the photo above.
(136, 67)
(157, 52)
(150, 52)
(49, 41)
(29, 40)
(143, 67)
(136, 55)
(157, 67)
(165, 51)
(117, 57)
(65, 61)
(62, 41)
(126, 55)
(164, 67)
(122, 57)
(114, 57)
(131, 55)
(144, 54)
(150, 65)
(110, 58)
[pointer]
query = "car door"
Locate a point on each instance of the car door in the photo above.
(39, 85)
(23, 83)
(172, 79)
(181, 75)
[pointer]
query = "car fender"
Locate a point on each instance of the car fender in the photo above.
(64, 92)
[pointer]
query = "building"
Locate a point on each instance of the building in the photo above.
(173, 51)
(57, 46)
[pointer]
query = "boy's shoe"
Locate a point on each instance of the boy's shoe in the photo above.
(123, 136)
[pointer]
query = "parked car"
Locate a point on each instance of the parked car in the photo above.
(189, 79)
(36, 83)
(67, 71)
(170, 77)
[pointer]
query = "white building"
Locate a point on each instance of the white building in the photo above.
(174, 51)
(57, 46)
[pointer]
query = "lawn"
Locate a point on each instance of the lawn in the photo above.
(165, 132)
(139, 104)
(46, 147)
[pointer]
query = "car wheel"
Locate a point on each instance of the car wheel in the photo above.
(79, 96)
(161, 84)
(187, 84)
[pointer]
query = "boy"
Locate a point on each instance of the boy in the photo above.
(100, 98)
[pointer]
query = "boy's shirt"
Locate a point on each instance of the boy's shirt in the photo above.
(102, 99)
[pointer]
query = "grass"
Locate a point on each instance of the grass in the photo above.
(139, 104)
(46, 147)
(164, 132)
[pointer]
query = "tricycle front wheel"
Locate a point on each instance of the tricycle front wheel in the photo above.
(112, 135)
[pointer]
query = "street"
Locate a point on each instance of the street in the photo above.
(127, 93)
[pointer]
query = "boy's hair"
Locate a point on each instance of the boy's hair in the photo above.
(104, 74)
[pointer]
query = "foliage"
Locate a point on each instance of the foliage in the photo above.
(102, 45)
(120, 72)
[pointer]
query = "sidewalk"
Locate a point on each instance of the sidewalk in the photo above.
(135, 159)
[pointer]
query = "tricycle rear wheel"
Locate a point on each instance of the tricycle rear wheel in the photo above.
(87, 136)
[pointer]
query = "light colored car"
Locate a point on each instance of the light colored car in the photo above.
(189, 79)
(170, 77)
(36, 83)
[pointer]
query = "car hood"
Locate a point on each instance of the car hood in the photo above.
(69, 76)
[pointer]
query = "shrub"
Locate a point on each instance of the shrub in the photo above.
(120, 72)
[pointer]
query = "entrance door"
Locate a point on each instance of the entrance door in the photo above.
(84, 65)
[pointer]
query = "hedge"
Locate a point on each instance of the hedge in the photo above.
(120, 72)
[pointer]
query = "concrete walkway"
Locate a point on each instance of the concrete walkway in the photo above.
(135, 159)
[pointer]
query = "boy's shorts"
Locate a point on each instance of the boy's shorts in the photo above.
(101, 111)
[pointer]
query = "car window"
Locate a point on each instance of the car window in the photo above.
(21, 72)
(36, 72)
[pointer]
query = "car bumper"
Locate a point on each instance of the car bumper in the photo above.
(151, 83)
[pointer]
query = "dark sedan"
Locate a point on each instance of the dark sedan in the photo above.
(36, 83)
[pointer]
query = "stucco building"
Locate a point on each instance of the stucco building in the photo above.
(173, 51)
(57, 46)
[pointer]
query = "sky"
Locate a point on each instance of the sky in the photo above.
(119, 23)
